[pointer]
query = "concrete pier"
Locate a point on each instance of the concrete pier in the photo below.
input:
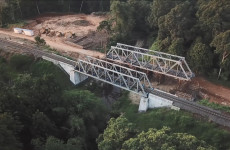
(75, 77)
(154, 101)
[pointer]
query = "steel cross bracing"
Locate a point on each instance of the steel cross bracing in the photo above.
(163, 63)
(118, 68)
(130, 81)
(111, 76)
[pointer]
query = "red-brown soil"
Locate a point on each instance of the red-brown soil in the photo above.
(216, 93)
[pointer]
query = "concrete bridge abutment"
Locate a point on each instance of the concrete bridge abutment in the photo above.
(153, 101)
(75, 77)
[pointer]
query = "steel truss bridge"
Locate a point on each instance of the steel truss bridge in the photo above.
(120, 76)
(116, 75)
(158, 62)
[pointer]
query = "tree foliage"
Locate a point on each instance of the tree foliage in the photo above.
(121, 134)
(53, 116)
(117, 131)
(9, 130)
(15, 10)
(222, 44)
(175, 25)
(200, 56)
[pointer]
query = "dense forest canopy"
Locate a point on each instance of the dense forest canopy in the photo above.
(41, 110)
(122, 134)
(198, 30)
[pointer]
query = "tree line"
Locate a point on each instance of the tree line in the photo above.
(196, 29)
(15, 10)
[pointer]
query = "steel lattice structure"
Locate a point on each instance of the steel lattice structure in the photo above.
(110, 76)
(118, 68)
(159, 62)
(116, 75)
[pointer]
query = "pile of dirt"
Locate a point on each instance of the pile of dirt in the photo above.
(52, 33)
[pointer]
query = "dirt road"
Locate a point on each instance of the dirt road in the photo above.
(57, 44)
(216, 93)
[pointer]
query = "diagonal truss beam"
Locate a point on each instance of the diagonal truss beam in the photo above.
(163, 63)
(110, 76)
(134, 73)
(123, 78)
(156, 53)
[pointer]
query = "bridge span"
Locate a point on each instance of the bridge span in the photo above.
(158, 62)
(123, 77)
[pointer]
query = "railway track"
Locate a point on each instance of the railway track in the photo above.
(193, 105)
(211, 114)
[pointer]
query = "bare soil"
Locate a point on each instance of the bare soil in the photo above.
(80, 24)
(215, 93)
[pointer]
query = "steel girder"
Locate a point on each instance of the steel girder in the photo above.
(163, 63)
(110, 76)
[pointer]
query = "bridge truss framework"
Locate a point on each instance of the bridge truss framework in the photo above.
(159, 62)
(119, 79)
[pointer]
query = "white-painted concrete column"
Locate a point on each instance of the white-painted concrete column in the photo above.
(154, 101)
(76, 77)
(144, 104)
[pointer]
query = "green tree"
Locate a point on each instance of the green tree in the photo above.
(42, 126)
(53, 143)
(177, 47)
(213, 17)
(3, 4)
(120, 134)
(222, 44)
(122, 14)
(140, 12)
(200, 56)
(9, 130)
(117, 131)
(176, 27)
(40, 41)
(160, 8)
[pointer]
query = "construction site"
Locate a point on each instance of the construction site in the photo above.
(76, 36)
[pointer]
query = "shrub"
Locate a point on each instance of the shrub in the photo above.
(40, 41)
